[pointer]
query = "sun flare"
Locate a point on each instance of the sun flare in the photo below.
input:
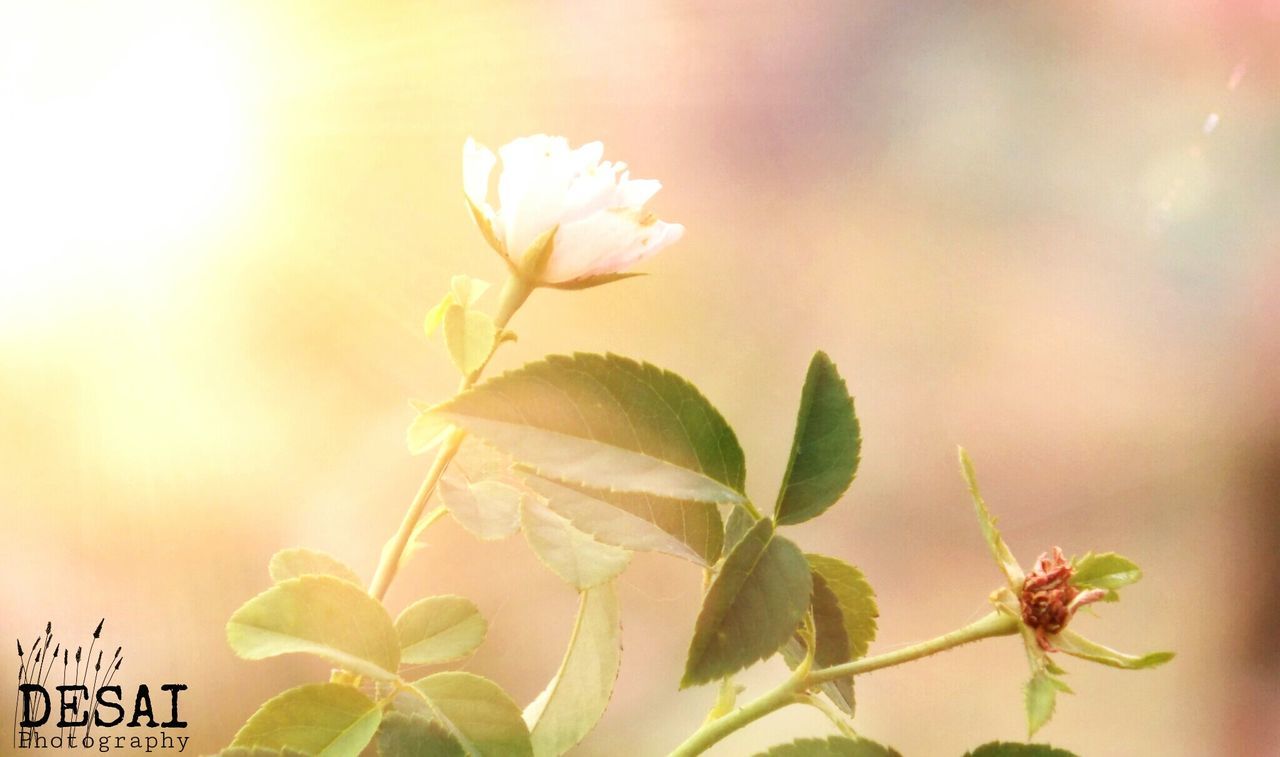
(118, 139)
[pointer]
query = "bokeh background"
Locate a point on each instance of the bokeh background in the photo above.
(1047, 231)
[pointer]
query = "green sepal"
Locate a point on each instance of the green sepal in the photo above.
(1072, 643)
(533, 263)
(485, 224)
(1107, 571)
(999, 550)
(590, 282)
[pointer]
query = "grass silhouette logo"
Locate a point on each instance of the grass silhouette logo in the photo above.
(71, 699)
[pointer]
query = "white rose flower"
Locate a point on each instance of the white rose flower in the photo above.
(595, 209)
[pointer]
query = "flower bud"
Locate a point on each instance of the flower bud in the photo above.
(1048, 598)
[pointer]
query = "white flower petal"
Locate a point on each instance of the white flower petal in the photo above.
(607, 242)
(634, 193)
(659, 235)
(536, 175)
(588, 156)
(591, 192)
(477, 164)
(546, 184)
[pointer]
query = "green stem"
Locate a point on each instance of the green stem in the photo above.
(715, 730)
(514, 293)
(990, 625)
(794, 689)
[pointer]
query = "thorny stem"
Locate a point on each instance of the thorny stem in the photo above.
(514, 293)
(993, 624)
(795, 689)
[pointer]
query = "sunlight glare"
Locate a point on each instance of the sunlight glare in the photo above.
(119, 142)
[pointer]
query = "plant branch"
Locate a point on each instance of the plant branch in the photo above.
(715, 730)
(795, 688)
(990, 625)
(514, 293)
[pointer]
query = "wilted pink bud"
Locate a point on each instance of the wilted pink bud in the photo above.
(1048, 598)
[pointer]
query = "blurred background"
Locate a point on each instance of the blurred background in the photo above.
(1049, 232)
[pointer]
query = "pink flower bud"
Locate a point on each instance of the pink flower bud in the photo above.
(1049, 600)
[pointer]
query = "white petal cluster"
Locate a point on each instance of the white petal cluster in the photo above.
(596, 206)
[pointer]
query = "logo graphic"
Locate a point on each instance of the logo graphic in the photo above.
(71, 700)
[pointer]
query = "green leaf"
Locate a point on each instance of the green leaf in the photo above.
(576, 557)
(1042, 689)
(481, 462)
(576, 698)
(740, 522)
(832, 642)
(404, 735)
(466, 290)
(844, 613)
(1105, 571)
(832, 746)
(606, 422)
(640, 522)
(752, 607)
(463, 292)
(469, 334)
(824, 454)
(291, 563)
(439, 629)
(243, 751)
(1008, 749)
(427, 430)
(323, 719)
(1041, 692)
(435, 316)
(1074, 644)
(475, 712)
(319, 615)
(488, 509)
(857, 601)
(1004, 558)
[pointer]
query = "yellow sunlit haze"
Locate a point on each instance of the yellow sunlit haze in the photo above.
(123, 133)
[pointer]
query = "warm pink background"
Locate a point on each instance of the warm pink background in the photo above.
(1014, 226)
